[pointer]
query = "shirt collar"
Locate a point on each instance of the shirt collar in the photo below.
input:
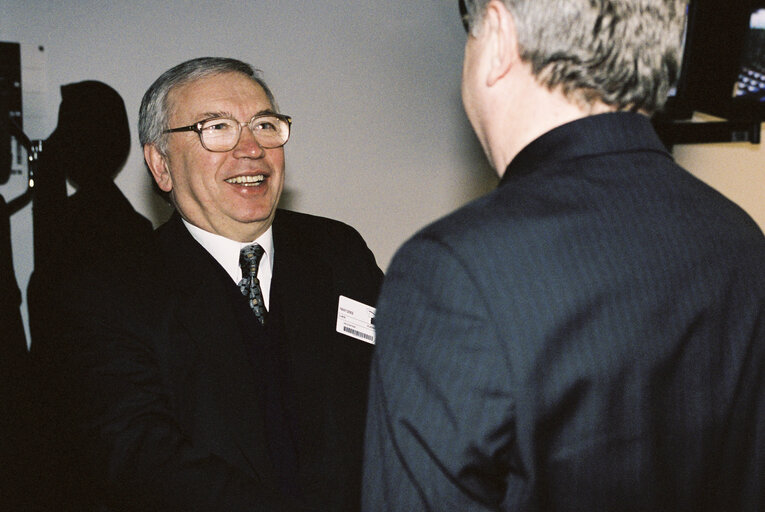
(226, 251)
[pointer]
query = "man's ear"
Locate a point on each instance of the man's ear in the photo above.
(158, 166)
(503, 43)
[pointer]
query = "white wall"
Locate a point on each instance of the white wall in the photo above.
(380, 139)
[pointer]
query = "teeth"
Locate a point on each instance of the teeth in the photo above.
(246, 180)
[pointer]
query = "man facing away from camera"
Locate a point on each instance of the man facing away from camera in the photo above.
(590, 335)
(210, 369)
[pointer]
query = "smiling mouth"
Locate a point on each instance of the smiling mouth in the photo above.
(247, 181)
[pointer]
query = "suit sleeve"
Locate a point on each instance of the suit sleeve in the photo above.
(440, 424)
(134, 442)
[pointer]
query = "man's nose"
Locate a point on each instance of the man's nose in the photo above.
(248, 146)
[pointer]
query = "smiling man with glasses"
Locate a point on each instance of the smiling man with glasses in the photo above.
(213, 368)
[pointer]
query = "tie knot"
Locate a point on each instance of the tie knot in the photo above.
(249, 258)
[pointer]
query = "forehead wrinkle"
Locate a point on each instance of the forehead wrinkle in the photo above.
(175, 102)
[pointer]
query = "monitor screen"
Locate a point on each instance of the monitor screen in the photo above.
(10, 105)
(750, 83)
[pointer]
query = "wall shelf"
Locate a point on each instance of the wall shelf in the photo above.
(705, 132)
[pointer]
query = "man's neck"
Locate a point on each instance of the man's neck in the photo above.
(530, 112)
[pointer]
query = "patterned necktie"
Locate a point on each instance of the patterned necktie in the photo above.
(249, 257)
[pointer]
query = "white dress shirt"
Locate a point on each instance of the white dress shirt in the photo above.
(226, 252)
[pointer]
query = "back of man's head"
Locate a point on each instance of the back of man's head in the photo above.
(624, 53)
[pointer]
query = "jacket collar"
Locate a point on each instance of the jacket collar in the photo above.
(614, 132)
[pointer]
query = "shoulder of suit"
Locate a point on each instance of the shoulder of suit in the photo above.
(311, 226)
(467, 221)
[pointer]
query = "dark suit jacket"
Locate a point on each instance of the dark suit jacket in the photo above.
(173, 388)
(590, 336)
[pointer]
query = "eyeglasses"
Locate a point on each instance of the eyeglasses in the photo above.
(220, 134)
(464, 16)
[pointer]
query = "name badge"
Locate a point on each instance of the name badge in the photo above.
(356, 319)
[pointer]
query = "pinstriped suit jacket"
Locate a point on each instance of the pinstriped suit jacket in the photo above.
(589, 336)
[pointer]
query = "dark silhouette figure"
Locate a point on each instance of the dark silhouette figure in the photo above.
(14, 377)
(89, 147)
(14, 357)
(13, 345)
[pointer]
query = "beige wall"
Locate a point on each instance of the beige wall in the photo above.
(735, 169)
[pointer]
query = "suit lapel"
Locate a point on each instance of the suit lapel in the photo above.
(209, 320)
(302, 286)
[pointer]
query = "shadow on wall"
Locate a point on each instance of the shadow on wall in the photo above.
(96, 224)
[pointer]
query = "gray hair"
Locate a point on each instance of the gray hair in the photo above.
(154, 112)
(625, 53)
